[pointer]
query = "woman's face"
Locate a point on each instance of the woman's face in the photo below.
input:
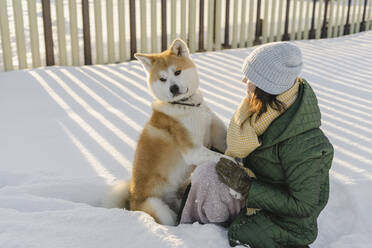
(250, 86)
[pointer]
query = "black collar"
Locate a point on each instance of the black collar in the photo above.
(182, 102)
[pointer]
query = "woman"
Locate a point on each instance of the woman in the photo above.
(275, 131)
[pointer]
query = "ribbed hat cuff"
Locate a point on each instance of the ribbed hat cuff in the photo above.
(265, 84)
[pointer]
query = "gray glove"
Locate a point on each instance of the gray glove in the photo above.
(234, 176)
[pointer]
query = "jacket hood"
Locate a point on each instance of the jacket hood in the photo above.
(303, 115)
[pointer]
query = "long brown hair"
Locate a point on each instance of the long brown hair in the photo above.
(260, 100)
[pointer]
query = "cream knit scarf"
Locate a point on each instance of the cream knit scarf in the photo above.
(244, 127)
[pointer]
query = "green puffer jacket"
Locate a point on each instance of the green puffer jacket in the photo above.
(292, 186)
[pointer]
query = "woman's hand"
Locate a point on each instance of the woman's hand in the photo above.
(234, 176)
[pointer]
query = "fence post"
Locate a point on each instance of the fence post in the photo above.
(359, 17)
(48, 35)
(217, 25)
(292, 35)
(61, 33)
(257, 40)
(201, 26)
(234, 40)
(110, 31)
(173, 19)
(265, 22)
(299, 33)
(369, 18)
(331, 28)
(132, 20)
(342, 26)
(98, 31)
(163, 25)
(5, 37)
(312, 30)
(280, 22)
(324, 28)
(227, 24)
(192, 26)
(338, 15)
(363, 24)
(286, 35)
(353, 17)
(34, 33)
(210, 31)
(250, 24)
(20, 34)
(86, 33)
(272, 24)
(122, 31)
(242, 37)
(154, 33)
(319, 23)
(214, 20)
(183, 19)
(347, 25)
(143, 24)
(75, 51)
(306, 28)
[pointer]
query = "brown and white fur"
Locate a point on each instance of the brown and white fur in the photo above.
(175, 139)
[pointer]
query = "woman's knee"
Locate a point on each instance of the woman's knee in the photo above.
(251, 230)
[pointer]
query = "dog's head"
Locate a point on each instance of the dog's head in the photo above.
(172, 75)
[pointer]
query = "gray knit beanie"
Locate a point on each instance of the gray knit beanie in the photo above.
(273, 67)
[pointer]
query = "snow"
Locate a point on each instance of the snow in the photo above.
(67, 133)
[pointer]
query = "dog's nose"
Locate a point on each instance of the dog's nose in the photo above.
(174, 89)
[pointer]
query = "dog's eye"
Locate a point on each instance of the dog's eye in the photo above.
(163, 79)
(177, 72)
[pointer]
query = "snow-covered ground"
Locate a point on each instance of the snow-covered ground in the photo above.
(66, 133)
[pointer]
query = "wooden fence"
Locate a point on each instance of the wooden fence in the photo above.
(36, 33)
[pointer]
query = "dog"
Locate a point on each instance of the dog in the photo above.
(177, 137)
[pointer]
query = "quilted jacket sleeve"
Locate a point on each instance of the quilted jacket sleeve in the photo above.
(305, 167)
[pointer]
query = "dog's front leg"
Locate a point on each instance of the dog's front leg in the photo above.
(200, 154)
(218, 133)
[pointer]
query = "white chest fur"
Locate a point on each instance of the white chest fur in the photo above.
(197, 122)
(195, 119)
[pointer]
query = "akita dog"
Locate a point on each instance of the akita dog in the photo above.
(176, 138)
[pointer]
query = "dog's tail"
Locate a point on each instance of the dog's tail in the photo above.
(117, 196)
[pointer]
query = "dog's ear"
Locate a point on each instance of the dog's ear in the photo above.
(145, 60)
(179, 48)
